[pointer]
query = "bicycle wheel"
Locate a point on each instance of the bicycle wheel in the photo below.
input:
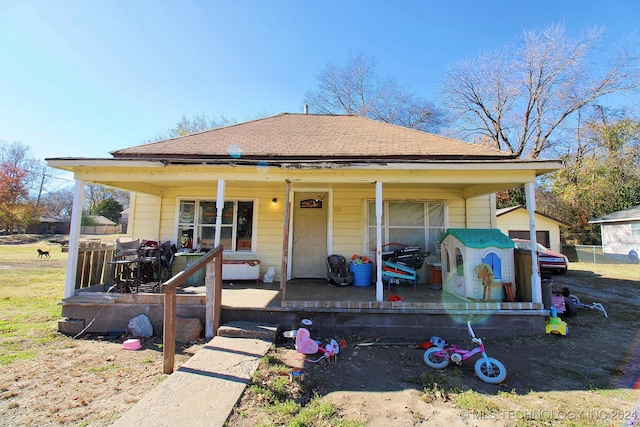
(434, 360)
(492, 372)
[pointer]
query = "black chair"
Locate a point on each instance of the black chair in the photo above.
(166, 259)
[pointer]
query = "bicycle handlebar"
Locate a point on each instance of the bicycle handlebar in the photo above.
(473, 335)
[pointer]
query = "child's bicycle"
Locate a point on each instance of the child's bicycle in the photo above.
(487, 368)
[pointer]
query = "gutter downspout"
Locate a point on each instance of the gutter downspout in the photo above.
(74, 239)
(536, 284)
(379, 286)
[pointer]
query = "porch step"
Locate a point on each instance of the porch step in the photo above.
(255, 330)
(86, 298)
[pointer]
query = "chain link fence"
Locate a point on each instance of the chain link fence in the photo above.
(593, 254)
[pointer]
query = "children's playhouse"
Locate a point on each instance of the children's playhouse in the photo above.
(477, 264)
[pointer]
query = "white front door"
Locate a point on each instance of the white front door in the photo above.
(309, 249)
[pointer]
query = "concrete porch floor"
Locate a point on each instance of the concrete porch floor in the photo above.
(251, 294)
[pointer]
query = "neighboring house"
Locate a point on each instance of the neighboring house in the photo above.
(58, 224)
(514, 222)
(620, 232)
(100, 225)
(340, 180)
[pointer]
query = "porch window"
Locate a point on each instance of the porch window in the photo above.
(197, 225)
(409, 223)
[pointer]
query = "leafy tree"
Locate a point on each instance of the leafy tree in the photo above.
(109, 208)
(601, 173)
(88, 221)
(519, 98)
(18, 175)
(95, 194)
(356, 89)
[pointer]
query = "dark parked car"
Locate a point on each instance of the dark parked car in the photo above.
(549, 260)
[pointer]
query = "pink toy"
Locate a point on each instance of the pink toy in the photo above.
(132, 344)
(305, 345)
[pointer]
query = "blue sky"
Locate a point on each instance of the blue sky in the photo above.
(82, 78)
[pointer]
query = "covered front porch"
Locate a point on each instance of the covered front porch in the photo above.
(334, 310)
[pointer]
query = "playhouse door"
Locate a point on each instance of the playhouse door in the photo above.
(309, 248)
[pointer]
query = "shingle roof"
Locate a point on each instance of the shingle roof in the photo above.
(311, 136)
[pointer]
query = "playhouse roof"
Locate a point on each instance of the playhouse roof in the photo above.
(480, 238)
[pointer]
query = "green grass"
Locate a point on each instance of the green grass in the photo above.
(30, 292)
(473, 401)
(626, 272)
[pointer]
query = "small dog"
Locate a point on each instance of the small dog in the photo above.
(42, 253)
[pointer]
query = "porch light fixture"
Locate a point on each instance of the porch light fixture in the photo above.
(274, 201)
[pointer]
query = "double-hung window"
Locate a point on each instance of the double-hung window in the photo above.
(411, 223)
(197, 224)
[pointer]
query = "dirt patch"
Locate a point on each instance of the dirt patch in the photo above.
(552, 379)
(586, 378)
(81, 382)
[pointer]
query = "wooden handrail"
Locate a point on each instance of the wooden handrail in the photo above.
(213, 286)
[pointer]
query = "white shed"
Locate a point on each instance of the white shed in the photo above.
(476, 263)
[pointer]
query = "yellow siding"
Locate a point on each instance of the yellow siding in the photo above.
(518, 220)
(479, 212)
(155, 217)
(147, 217)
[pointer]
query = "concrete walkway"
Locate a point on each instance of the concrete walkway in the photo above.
(204, 390)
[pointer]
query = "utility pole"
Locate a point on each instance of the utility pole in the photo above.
(41, 185)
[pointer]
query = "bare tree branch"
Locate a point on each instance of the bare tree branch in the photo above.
(520, 97)
(357, 89)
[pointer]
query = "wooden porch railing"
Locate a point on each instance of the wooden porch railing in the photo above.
(213, 285)
(93, 264)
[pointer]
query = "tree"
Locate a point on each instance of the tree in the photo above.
(108, 208)
(519, 98)
(357, 89)
(95, 194)
(18, 176)
(601, 173)
(194, 124)
(58, 202)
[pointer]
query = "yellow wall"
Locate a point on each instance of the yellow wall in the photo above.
(154, 217)
(518, 220)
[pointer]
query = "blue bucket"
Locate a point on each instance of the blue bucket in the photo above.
(361, 273)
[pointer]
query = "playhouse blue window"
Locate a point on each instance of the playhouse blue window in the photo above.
(493, 260)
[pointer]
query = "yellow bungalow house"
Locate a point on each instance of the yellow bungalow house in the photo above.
(300, 187)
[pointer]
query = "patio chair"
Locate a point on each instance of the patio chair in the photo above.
(127, 249)
(167, 257)
(337, 271)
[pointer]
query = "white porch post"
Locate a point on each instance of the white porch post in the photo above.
(74, 239)
(219, 208)
(536, 284)
(379, 286)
